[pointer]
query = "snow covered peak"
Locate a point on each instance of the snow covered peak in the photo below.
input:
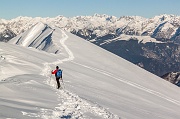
(165, 18)
(3, 21)
(20, 19)
(100, 15)
(130, 18)
(40, 36)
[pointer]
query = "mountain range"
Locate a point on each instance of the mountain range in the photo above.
(151, 43)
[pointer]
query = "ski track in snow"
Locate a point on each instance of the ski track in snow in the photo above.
(71, 106)
(133, 84)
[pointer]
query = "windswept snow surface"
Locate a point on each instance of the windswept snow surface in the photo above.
(97, 84)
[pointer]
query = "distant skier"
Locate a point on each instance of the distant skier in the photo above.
(58, 75)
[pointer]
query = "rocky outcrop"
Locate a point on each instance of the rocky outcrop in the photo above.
(6, 35)
(173, 77)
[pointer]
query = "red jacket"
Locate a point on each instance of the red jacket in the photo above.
(54, 72)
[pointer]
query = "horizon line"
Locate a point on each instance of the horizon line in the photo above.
(90, 15)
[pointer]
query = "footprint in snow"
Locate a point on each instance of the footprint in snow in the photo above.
(72, 106)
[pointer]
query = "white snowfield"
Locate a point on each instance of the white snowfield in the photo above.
(97, 84)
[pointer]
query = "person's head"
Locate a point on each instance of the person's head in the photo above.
(57, 67)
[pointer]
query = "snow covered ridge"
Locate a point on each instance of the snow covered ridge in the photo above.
(159, 27)
(40, 36)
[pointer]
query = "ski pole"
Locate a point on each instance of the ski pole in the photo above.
(63, 83)
(50, 78)
(62, 80)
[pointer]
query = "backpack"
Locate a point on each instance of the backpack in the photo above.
(59, 73)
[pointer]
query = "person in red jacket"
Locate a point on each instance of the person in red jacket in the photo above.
(58, 76)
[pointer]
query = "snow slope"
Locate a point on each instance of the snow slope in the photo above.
(97, 84)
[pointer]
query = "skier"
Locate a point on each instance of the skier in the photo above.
(58, 75)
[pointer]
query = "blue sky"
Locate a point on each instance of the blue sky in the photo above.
(69, 8)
